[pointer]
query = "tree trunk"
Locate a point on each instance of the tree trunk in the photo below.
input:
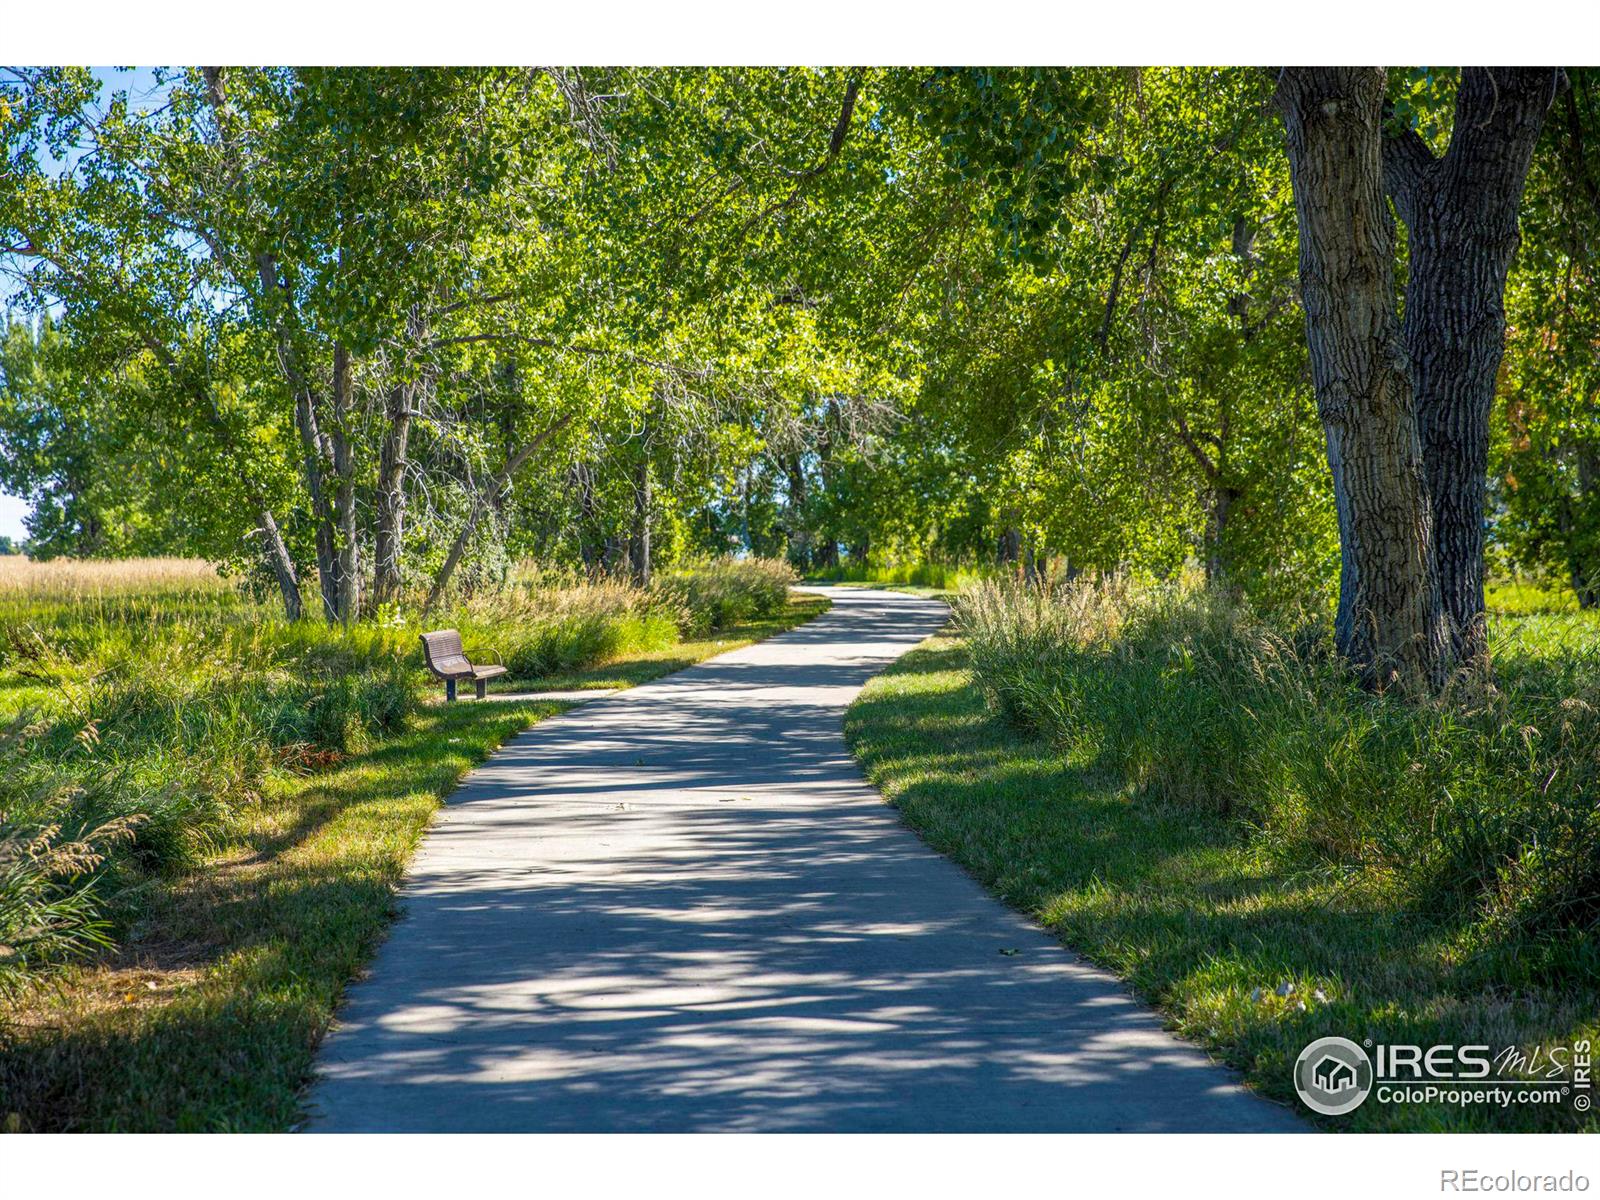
(1214, 467)
(344, 471)
(639, 543)
(799, 535)
(1390, 622)
(388, 545)
(1010, 550)
(1218, 564)
(580, 479)
(280, 562)
(1461, 217)
(480, 501)
(315, 455)
(277, 552)
(404, 402)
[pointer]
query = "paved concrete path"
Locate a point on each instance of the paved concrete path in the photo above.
(569, 696)
(681, 908)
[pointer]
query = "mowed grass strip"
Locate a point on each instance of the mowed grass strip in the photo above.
(209, 1015)
(1178, 904)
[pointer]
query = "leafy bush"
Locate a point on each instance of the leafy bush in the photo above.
(140, 723)
(1483, 798)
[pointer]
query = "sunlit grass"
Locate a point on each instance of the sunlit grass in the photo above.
(208, 1016)
(1206, 921)
(936, 578)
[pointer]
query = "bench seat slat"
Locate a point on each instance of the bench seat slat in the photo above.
(443, 653)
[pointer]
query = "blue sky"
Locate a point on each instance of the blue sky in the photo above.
(140, 84)
(12, 511)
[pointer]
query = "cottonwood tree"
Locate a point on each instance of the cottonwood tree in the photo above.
(1460, 211)
(347, 227)
(1405, 407)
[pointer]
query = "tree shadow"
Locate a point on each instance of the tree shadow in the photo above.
(681, 908)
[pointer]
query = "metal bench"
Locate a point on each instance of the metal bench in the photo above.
(442, 652)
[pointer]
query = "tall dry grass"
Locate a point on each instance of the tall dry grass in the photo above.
(66, 581)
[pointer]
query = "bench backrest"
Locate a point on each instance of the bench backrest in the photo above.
(442, 652)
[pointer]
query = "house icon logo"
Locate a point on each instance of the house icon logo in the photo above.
(1333, 1076)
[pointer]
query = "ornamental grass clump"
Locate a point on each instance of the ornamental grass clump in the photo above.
(539, 628)
(1486, 798)
(719, 593)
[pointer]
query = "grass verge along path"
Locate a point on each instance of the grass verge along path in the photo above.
(208, 1017)
(1175, 903)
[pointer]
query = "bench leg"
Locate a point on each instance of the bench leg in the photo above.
(483, 688)
(449, 689)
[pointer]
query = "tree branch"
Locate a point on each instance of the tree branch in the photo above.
(1407, 164)
(480, 501)
(1207, 465)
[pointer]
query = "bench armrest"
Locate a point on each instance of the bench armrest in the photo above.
(494, 659)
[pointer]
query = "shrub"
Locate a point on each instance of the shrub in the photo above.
(1485, 797)
(155, 714)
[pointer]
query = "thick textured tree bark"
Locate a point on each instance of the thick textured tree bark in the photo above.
(344, 498)
(480, 502)
(1390, 622)
(1461, 217)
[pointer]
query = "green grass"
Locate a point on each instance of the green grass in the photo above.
(1187, 906)
(208, 1016)
(645, 666)
(234, 944)
(922, 578)
(1522, 597)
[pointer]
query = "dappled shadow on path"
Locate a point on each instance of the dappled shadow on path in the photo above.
(680, 908)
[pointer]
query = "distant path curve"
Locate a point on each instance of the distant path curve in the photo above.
(681, 908)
